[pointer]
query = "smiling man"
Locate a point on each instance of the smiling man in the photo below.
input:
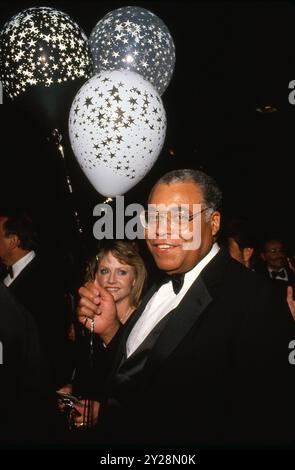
(169, 246)
(204, 359)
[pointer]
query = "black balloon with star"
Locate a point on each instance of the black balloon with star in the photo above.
(42, 46)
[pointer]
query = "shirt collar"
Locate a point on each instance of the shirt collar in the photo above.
(191, 275)
(279, 277)
(22, 263)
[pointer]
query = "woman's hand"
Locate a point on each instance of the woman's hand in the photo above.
(98, 304)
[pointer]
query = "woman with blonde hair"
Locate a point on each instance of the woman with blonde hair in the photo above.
(119, 268)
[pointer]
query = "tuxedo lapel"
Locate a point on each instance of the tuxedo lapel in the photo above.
(121, 349)
(24, 276)
(182, 318)
(190, 309)
(181, 321)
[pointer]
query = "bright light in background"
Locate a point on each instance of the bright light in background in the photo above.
(129, 58)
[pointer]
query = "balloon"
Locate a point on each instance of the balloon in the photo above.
(117, 128)
(41, 45)
(134, 38)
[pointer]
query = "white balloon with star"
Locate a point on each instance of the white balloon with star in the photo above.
(117, 128)
(135, 39)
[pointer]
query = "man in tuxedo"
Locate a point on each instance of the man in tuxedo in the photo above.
(275, 262)
(29, 278)
(22, 417)
(204, 360)
(241, 248)
(275, 267)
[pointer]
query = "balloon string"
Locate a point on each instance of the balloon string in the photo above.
(58, 138)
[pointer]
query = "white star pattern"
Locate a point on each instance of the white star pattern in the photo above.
(42, 29)
(136, 33)
(117, 117)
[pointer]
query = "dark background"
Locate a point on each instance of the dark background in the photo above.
(231, 59)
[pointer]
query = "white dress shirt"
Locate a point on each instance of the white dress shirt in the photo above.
(18, 267)
(162, 302)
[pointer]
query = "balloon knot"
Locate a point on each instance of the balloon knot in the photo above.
(108, 199)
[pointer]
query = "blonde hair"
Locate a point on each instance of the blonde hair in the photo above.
(127, 253)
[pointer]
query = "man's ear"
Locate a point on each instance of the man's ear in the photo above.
(13, 241)
(247, 255)
(215, 223)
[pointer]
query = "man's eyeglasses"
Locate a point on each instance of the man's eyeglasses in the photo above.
(275, 250)
(152, 218)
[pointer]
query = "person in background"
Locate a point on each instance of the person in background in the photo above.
(25, 406)
(241, 248)
(290, 289)
(275, 261)
(30, 277)
(275, 267)
(118, 268)
(240, 241)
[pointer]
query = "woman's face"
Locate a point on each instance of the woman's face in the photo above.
(115, 277)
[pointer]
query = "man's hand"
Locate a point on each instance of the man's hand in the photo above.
(97, 304)
(291, 301)
(67, 389)
(79, 414)
(290, 264)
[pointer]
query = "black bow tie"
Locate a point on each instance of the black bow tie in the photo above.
(9, 271)
(177, 281)
(275, 274)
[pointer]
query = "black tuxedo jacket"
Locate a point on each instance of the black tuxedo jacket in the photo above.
(39, 290)
(262, 269)
(218, 374)
(22, 397)
(278, 285)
